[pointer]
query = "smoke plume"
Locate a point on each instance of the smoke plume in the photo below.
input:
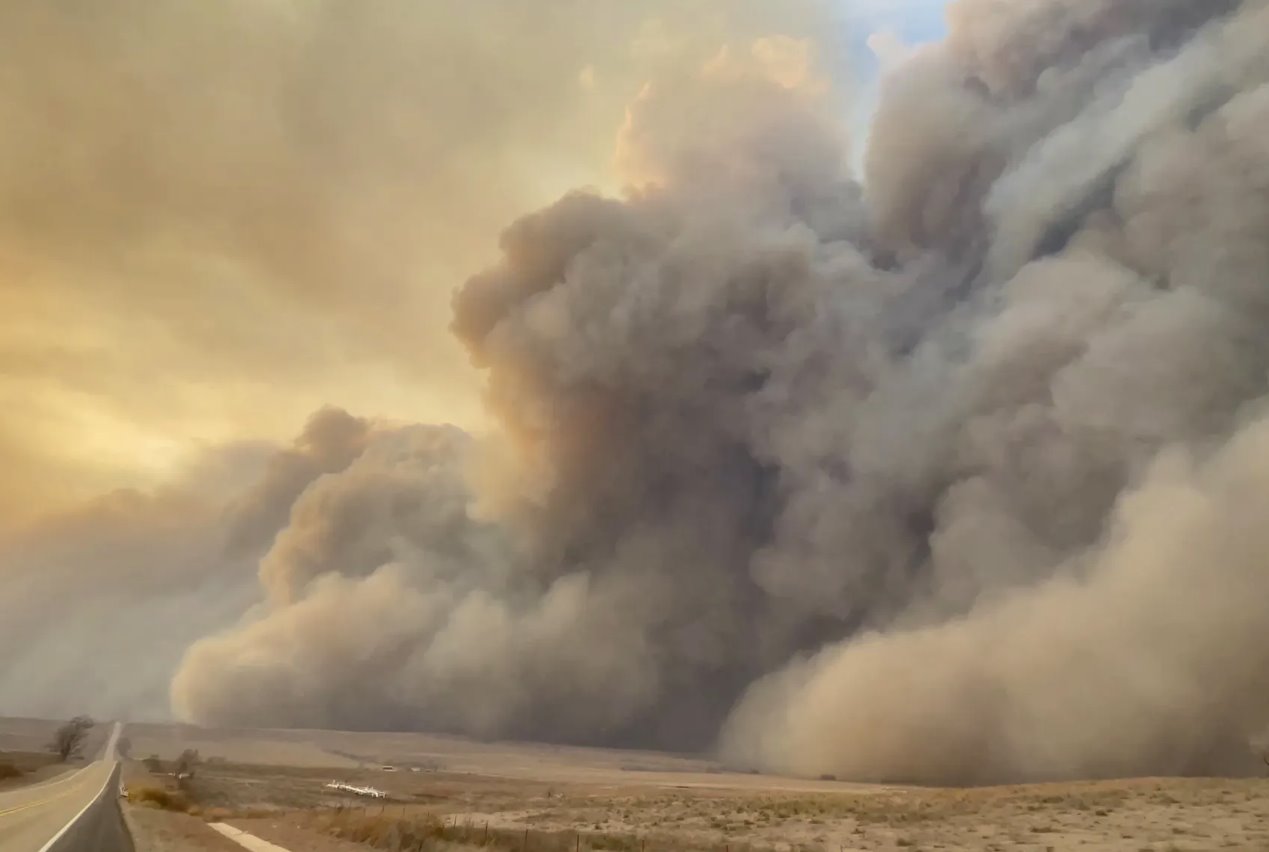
(954, 472)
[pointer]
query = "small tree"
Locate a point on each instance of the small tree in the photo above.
(185, 768)
(186, 762)
(69, 739)
(153, 763)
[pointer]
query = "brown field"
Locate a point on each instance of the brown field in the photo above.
(27, 767)
(447, 793)
(17, 734)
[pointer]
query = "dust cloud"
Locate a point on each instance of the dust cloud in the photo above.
(954, 472)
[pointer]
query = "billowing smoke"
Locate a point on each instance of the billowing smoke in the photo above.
(100, 603)
(953, 474)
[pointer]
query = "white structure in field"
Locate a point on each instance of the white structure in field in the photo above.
(371, 792)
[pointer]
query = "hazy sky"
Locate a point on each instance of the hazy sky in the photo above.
(256, 209)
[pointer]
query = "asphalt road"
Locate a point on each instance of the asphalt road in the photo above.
(75, 812)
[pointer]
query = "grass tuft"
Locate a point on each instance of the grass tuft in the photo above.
(157, 797)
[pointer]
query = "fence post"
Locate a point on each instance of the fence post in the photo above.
(484, 841)
(525, 845)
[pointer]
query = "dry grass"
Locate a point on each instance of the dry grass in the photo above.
(378, 831)
(447, 810)
(155, 830)
(1155, 814)
(633, 802)
(27, 767)
(28, 761)
(423, 831)
(158, 797)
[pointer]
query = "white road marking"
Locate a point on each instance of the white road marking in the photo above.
(245, 840)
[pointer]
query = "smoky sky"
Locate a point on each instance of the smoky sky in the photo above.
(216, 219)
(950, 471)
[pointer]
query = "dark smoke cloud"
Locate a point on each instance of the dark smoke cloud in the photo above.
(956, 476)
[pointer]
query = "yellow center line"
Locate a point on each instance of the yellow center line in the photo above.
(28, 805)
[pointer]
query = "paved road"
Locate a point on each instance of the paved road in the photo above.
(75, 812)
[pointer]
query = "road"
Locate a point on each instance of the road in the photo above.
(75, 812)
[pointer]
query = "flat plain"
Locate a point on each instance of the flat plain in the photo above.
(451, 793)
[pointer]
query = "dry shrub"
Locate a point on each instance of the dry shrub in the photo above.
(159, 798)
(385, 832)
(427, 832)
(8, 770)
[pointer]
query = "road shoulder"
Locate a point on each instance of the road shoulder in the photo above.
(155, 830)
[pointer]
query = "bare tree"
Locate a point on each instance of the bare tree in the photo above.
(184, 771)
(69, 739)
(186, 762)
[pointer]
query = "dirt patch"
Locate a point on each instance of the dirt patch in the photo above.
(163, 831)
